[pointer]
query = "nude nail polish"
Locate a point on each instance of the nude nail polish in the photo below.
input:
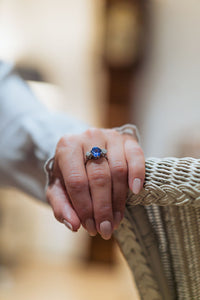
(90, 227)
(137, 184)
(106, 230)
(68, 225)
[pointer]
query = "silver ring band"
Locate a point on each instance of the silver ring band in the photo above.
(95, 153)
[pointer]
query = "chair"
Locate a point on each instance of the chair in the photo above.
(160, 233)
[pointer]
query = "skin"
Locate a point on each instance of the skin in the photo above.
(94, 194)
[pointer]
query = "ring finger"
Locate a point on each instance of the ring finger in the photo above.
(99, 178)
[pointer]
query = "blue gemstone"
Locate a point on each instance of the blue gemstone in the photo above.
(96, 152)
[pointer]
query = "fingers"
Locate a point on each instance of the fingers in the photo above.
(89, 187)
(118, 167)
(100, 188)
(99, 178)
(136, 164)
(62, 208)
(95, 194)
(71, 164)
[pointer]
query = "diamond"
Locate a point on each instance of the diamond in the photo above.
(88, 155)
(104, 151)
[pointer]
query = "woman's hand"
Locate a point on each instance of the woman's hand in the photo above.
(94, 193)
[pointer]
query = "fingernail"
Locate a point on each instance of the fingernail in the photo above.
(90, 226)
(68, 225)
(117, 219)
(106, 230)
(137, 184)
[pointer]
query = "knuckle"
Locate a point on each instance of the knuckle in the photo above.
(91, 132)
(62, 142)
(76, 182)
(138, 151)
(67, 141)
(104, 212)
(99, 178)
(119, 168)
(105, 208)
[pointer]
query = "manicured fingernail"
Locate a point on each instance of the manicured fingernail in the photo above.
(68, 225)
(137, 185)
(106, 230)
(117, 219)
(90, 226)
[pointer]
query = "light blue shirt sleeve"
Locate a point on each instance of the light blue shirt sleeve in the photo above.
(29, 133)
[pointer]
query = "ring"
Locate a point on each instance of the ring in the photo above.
(96, 153)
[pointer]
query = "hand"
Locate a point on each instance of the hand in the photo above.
(94, 194)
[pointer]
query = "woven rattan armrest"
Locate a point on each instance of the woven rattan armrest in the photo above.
(160, 233)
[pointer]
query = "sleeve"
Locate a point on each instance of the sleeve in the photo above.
(29, 133)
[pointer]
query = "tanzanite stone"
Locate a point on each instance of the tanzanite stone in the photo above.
(96, 152)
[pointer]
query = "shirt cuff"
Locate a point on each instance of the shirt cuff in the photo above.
(129, 129)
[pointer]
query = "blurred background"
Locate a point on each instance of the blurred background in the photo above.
(107, 63)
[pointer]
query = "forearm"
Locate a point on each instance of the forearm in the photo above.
(28, 134)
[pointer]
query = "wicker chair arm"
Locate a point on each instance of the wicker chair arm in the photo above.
(170, 181)
(159, 235)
